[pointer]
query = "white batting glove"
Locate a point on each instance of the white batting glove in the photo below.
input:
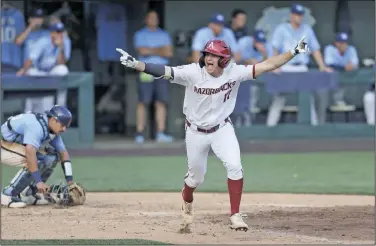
(126, 59)
(300, 48)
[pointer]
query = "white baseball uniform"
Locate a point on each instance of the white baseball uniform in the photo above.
(208, 103)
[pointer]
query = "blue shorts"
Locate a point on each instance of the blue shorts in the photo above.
(150, 90)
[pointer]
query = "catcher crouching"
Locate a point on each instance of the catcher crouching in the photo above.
(24, 142)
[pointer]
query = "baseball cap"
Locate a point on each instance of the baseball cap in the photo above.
(259, 36)
(342, 37)
(37, 13)
(57, 27)
(218, 19)
(297, 9)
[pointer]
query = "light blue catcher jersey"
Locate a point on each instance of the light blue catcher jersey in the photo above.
(30, 128)
(12, 24)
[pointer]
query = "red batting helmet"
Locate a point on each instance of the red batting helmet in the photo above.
(218, 48)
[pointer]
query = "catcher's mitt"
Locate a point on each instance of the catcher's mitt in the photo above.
(67, 195)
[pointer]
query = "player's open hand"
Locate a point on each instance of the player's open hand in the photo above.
(126, 59)
(42, 187)
(300, 48)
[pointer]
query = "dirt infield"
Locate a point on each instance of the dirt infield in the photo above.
(273, 218)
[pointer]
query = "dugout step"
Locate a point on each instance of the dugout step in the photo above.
(290, 109)
(342, 108)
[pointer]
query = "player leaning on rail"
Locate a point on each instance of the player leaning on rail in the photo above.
(211, 89)
(24, 143)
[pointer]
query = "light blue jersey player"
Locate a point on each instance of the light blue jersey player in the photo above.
(32, 141)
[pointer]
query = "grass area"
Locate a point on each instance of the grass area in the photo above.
(336, 173)
(82, 242)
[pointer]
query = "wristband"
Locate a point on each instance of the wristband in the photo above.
(37, 176)
(159, 71)
(67, 168)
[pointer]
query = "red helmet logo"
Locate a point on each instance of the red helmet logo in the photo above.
(218, 48)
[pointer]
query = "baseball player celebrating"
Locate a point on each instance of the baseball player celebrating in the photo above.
(211, 89)
(24, 143)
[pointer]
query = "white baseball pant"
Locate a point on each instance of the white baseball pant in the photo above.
(47, 102)
(225, 146)
(279, 101)
(13, 154)
(369, 107)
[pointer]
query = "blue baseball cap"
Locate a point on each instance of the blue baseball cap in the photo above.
(37, 13)
(217, 19)
(57, 27)
(259, 36)
(297, 9)
(342, 37)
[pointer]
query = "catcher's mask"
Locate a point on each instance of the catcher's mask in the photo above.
(58, 194)
(66, 195)
(218, 48)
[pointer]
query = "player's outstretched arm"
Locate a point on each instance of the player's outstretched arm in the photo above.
(275, 62)
(157, 70)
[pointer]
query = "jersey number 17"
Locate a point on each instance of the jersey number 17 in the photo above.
(227, 96)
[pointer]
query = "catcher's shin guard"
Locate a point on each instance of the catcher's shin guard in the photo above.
(20, 181)
(46, 167)
(23, 178)
(50, 162)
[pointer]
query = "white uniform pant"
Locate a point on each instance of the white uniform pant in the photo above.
(13, 154)
(279, 101)
(47, 102)
(369, 107)
(224, 145)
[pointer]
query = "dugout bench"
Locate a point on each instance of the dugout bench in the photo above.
(81, 133)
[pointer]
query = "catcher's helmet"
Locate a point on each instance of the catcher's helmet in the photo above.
(60, 113)
(218, 48)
